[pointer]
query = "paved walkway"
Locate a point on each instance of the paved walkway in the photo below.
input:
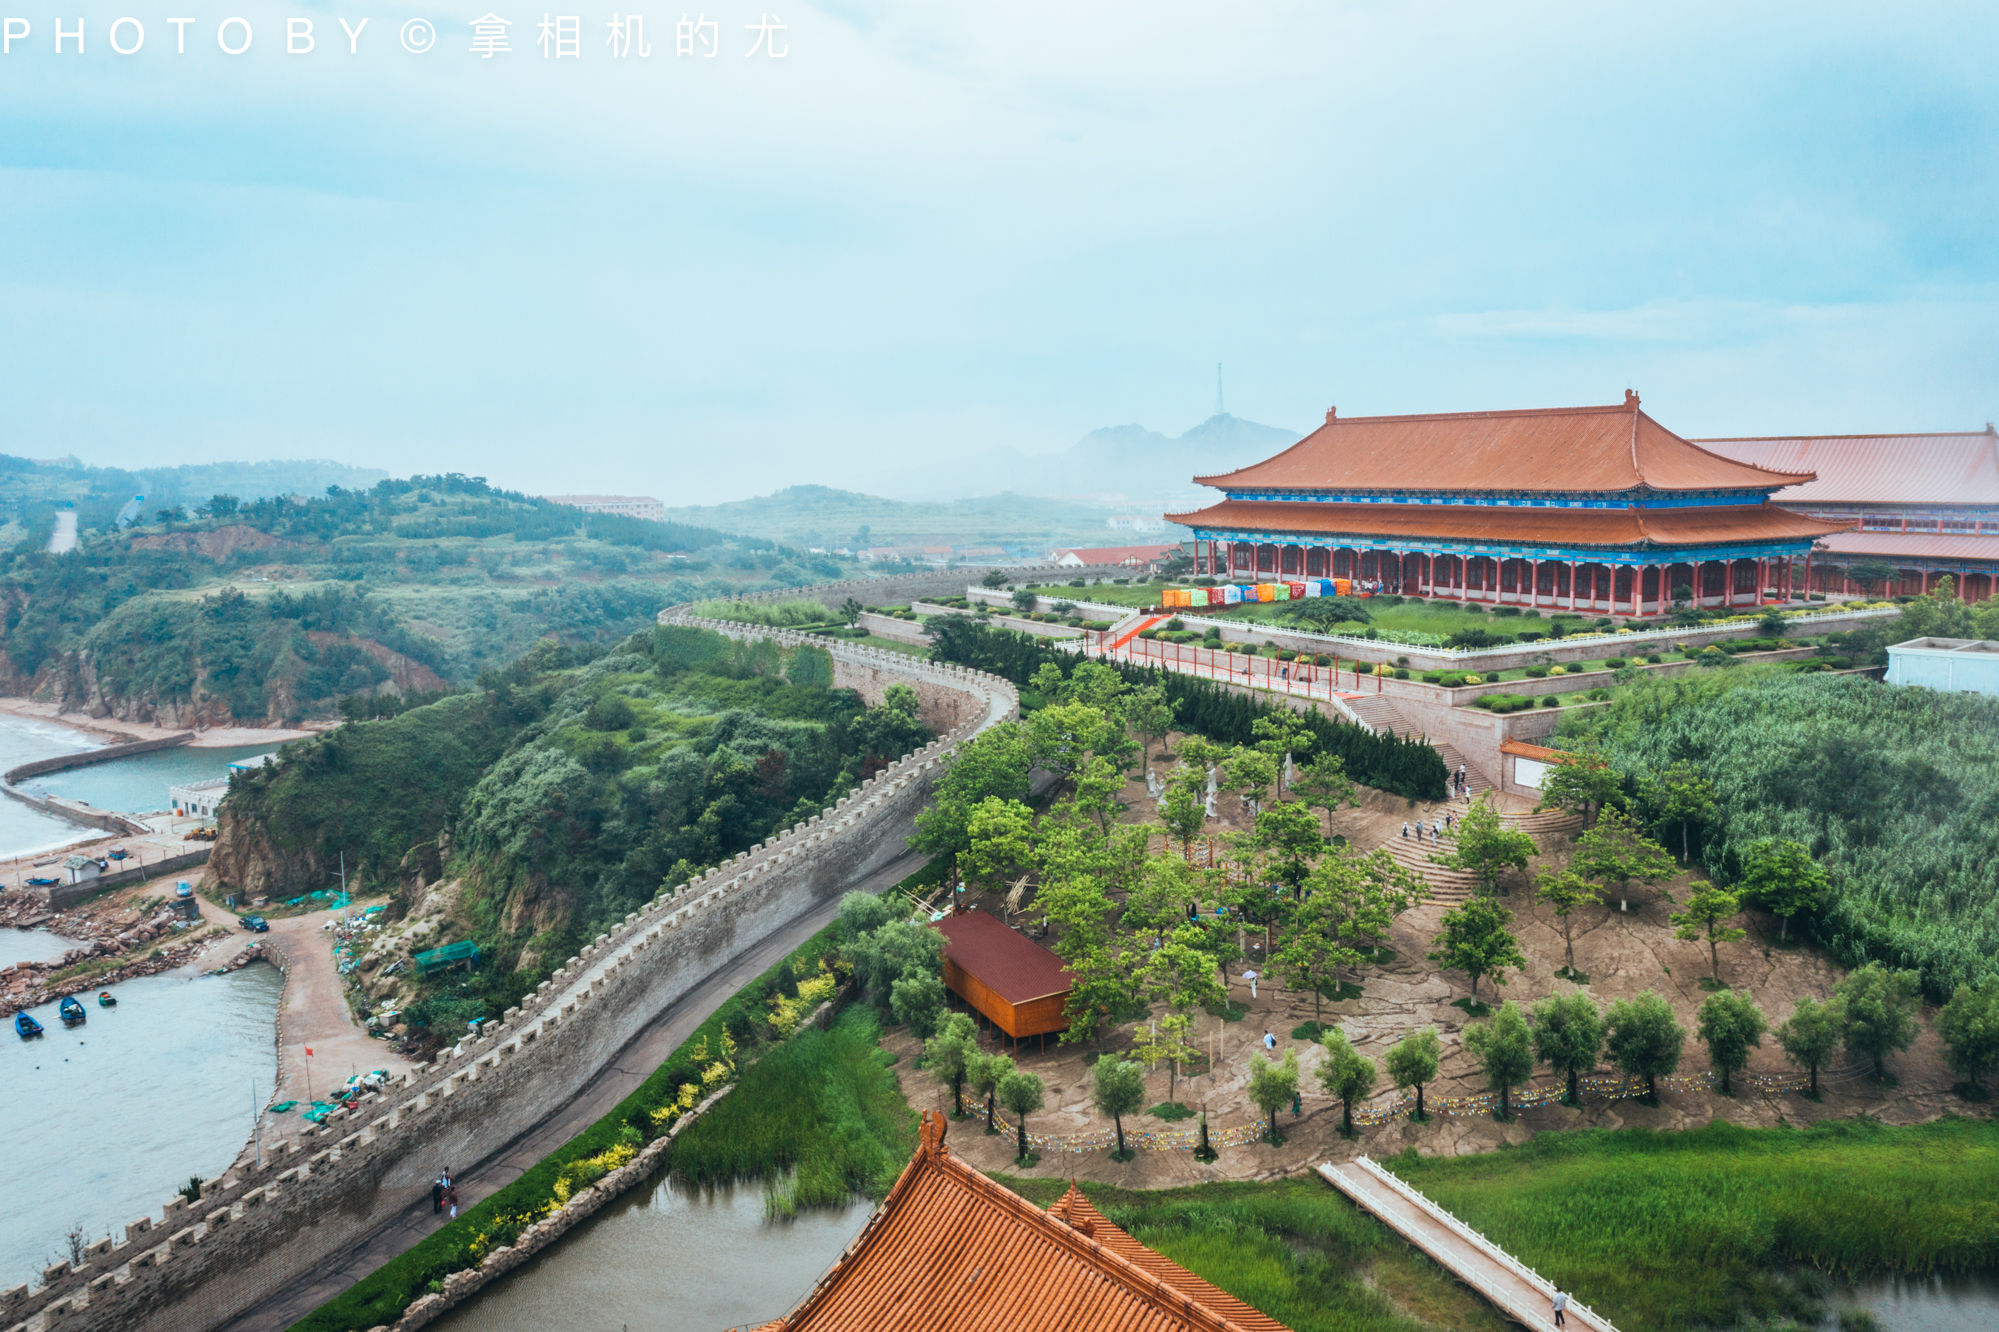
(632, 1065)
(1512, 1287)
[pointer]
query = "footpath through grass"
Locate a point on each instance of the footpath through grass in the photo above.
(1294, 1249)
(1705, 1229)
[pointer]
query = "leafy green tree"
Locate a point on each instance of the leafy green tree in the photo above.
(862, 913)
(1290, 834)
(994, 578)
(1347, 1075)
(1504, 1050)
(950, 1056)
(1313, 947)
(1707, 915)
(1249, 771)
(1322, 613)
(994, 764)
(1564, 891)
(1810, 1035)
(1148, 716)
(892, 951)
(850, 611)
(1271, 1085)
(1679, 794)
(1613, 854)
(1474, 939)
(1568, 1037)
(1323, 785)
(1281, 733)
(1969, 1028)
(1880, 1007)
(1023, 1094)
(1063, 737)
(1780, 875)
(1024, 599)
(1182, 973)
(1583, 783)
(983, 1075)
(1412, 1062)
(1730, 1025)
(916, 998)
(1098, 788)
(1487, 847)
(1184, 809)
(809, 667)
(1117, 1089)
(1644, 1039)
(1351, 903)
(1166, 1041)
(1002, 844)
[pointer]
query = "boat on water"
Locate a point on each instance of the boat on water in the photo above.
(107, 1000)
(26, 1027)
(71, 1012)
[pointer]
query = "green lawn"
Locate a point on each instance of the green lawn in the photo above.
(1414, 616)
(1708, 1228)
(1293, 1248)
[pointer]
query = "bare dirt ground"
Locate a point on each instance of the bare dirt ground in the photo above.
(1622, 954)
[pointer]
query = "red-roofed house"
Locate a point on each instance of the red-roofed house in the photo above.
(1130, 557)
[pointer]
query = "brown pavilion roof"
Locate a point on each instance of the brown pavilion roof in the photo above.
(1010, 964)
(1944, 468)
(951, 1249)
(1520, 526)
(1550, 449)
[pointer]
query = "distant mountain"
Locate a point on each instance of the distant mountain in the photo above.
(29, 487)
(1127, 465)
(831, 519)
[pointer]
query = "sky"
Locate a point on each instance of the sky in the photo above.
(939, 227)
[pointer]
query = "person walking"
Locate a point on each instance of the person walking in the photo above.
(1561, 1302)
(436, 1196)
(1405, 830)
(1269, 1041)
(1250, 976)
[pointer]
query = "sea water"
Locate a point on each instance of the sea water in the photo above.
(664, 1258)
(24, 829)
(100, 1124)
(138, 785)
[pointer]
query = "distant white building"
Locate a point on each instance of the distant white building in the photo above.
(1967, 664)
(198, 800)
(1136, 522)
(629, 506)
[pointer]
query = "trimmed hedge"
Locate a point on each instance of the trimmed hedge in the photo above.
(1503, 702)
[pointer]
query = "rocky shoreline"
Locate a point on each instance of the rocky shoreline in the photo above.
(102, 934)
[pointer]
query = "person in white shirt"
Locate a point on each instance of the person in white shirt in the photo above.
(1561, 1303)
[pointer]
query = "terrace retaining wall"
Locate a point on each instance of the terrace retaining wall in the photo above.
(260, 1226)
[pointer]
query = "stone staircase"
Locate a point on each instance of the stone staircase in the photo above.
(1475, 779)
(1446, 885)
(1378, 713)
(1545, 823)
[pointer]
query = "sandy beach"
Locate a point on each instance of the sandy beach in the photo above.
(113, 731)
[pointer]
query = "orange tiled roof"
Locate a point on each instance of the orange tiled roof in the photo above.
(1492, 523)
(1550, 449)
(1942, 468)
(951, 1249)
(1521, 749)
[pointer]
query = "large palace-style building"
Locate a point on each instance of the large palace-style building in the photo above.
(1571, 508)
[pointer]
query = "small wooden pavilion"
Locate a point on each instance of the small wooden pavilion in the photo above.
(951, 1249)
(1012, 981)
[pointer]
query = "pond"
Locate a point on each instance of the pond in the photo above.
(662, 1258)
(1931, 1304)
(138, 785)
(103, 1122)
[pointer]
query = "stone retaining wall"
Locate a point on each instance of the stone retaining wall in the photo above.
(86, 757)
(259, 1228)
(69, 894)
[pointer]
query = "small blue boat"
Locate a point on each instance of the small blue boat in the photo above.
(71, 1012)
(107, 1000)
(26, 1027)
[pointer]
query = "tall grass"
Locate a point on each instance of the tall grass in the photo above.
(823, 1105)
(780, 613)
(1294, 1249)
(1684, 1230)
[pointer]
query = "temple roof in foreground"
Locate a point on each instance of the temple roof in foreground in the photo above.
(1559, 449)
(951, 1249)
(1949, 468)
(1494, 524)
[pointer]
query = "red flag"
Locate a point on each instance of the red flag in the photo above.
(308, 1052)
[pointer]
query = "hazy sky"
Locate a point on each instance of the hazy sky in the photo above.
(952, 225)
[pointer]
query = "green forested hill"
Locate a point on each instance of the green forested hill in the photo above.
(274, 609)
(567, 790)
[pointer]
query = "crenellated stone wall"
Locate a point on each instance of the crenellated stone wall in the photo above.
(259, 1227)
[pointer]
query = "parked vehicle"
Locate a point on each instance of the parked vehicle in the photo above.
(72, 1012)
(254, 924)
(183, 889)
